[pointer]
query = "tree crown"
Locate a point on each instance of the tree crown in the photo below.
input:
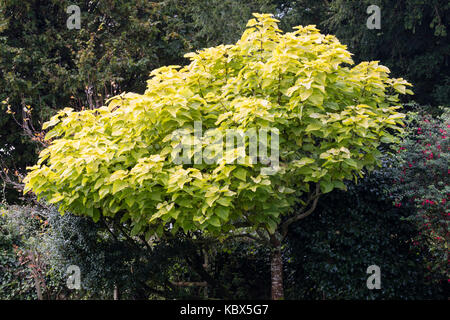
(326, 120)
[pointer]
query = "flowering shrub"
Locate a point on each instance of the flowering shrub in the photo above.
(422, 178)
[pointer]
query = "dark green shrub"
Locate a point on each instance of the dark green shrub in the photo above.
(330, 251)
(106, 259)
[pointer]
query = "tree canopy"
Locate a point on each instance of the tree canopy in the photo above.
(120, 159)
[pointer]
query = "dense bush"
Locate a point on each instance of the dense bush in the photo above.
(329, 253)
(37, 243)
(421, 178)
(109, 258)
(12, 285)
(25, 268)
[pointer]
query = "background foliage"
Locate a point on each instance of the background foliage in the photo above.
(351, 231)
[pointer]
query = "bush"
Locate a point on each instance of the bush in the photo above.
(25, 271)
(108, 259)
(329, 253)
(421, 178)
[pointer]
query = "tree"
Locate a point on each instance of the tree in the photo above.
(211, 17)
(325, 121)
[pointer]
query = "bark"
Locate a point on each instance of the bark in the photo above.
(35, 273)
(38, 288)
(276, 269)
(116, 293)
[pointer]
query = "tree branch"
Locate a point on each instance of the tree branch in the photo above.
(262, 237)
(194, 260)
(245, 235)
(302, 214)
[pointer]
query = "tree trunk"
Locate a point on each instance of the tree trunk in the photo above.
(37, 284)
(34, 271)
(116, 292)
(276, 269)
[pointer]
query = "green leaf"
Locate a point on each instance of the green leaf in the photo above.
(103, 191)
(53, 121)
(222, 212)
(240, 173)
(302, 162)
(136, 229)
(96, 215)
(56, 198)
(326, 186)
(214, 221)
(314, 126)
(118, 186)
(306, 94)
(225, 201)
(351, 163)
(316, 98)
(271, 226)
